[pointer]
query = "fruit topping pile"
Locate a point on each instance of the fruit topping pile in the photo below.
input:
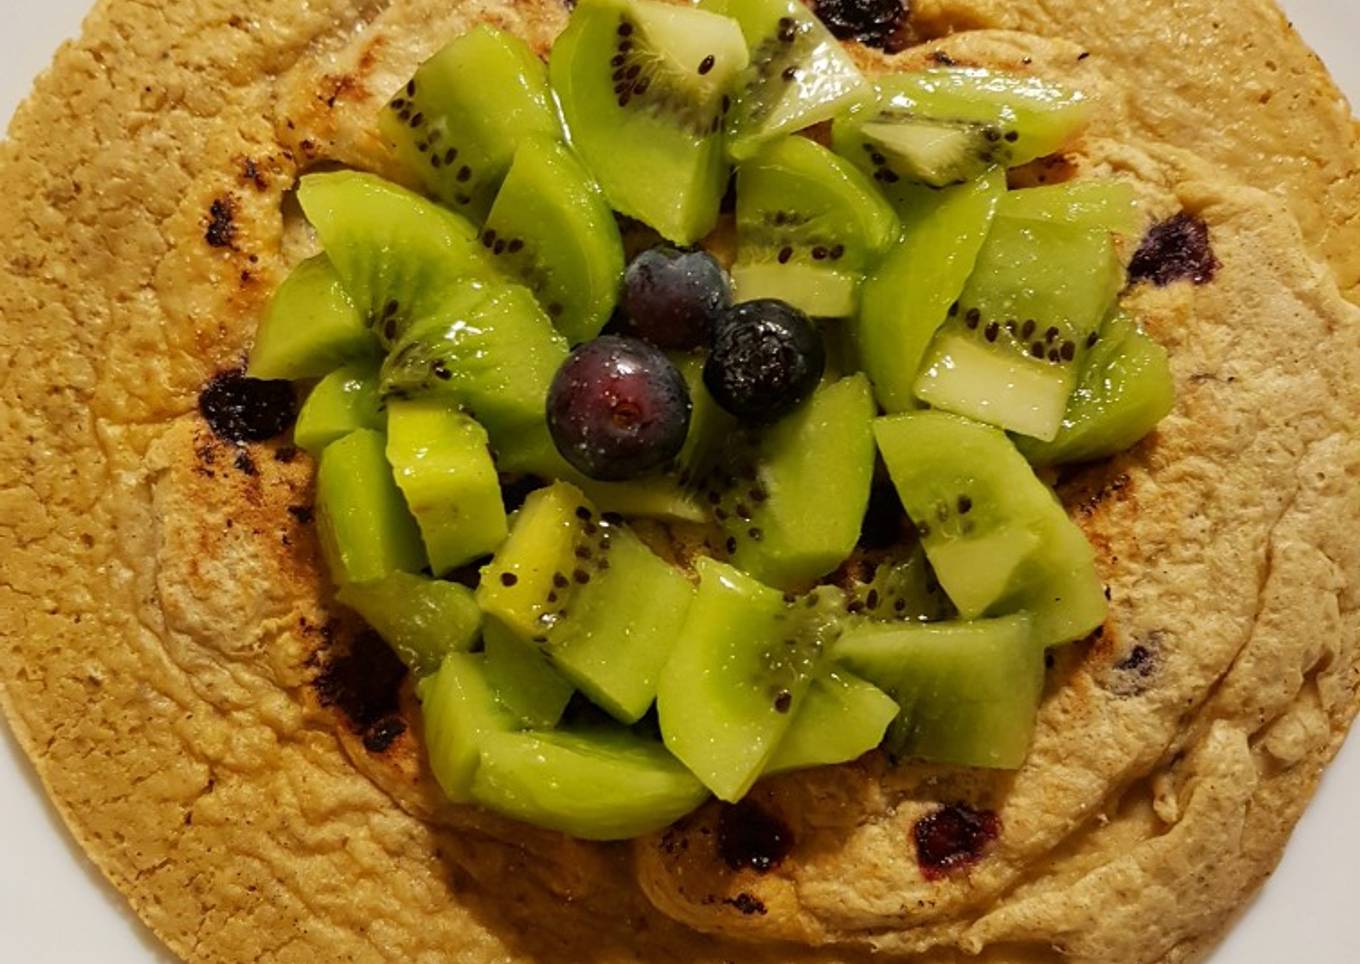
(783, 506)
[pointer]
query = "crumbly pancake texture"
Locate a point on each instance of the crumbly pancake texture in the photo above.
(245, 765)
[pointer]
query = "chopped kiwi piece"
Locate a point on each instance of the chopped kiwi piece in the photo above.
(311, 328)
(422, 619)
(907, 298)
(946, 126)
(791, 498)
(737, 677)
(531, 691)
(602, 605)
(551, 228)
(345, 400)
(600, 783)
(1010, 353)
(809, 224)
(997, 537)
(842, 718)
(366, 531)
(799, 74)
(969, 692)
(1099, 204)
(495, 355)
(710, 425)
(444, 469)
(653, 498)
(1125, 389)
(929, 152)
(641, 84)
(457, 123)
(461, 712)
(399, 255)
(902, 586)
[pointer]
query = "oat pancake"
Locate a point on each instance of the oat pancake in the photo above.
(245, 766)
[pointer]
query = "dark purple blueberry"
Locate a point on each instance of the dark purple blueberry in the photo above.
(240, 409)
(674, 298)
(618, 409)
(767, 358)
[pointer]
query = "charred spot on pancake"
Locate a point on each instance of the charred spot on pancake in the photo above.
(362, 682)
(941, 59)
(748, 904)
(1177, 249)
(1053, 169)
(240, 409)
(1130, 674)
(752, 838)
(382, 734)
(252, 175)
(953, 838)
(285, 454)
(875, 23)
(302, 514)
(245, 464)
(221, 232)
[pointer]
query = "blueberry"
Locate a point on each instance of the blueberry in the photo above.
(674, 298)
(767, 358)
(618, 409)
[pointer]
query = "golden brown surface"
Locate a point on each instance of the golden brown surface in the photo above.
(164, 630)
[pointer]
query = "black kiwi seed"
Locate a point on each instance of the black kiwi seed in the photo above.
(1054, 355)
(1027, 329)
(707, 64)
(890, 177)
(390, 309)
(508, 579)
(790, 74)
(417, 120)
(1010, 326)
(1069, 351)
(783, 701)
(974, 316)
(785, 254)
(498, 248)
(1051, 335)
(617, 60)
(726, 104)
(1012, 136)
(641, 86)
(1037, 349)
(625, 46)
(837, 252)
(731, 544)
(871, 600)
(464, 173)
(583, 553)
(581, 576)
(390, 329)
(441, 371)
(756, 534)
(633, 71)
(993, 134)
(516, 245)
(624, 98)
(560, 581)
(398, 103)
(788, 30)
(819, 253)
(991, 331)
(411, 87)
(965, 505)
(488, 238)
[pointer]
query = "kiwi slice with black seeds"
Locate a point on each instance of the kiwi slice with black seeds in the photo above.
(551, 229)
(900, 587)
(458, 122)
(1125, 389)
(948, 125)
(399, 255)
(1017, 338)
(790, 500)
(643, 87)
(799, 74)
(809, 224)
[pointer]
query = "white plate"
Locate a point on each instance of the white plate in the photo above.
(55, 907)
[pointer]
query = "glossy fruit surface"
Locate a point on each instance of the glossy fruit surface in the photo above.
(767, 358)
(618, 409)
(674, 298)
